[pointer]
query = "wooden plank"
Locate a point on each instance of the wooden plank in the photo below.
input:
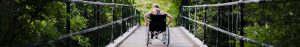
(120, 39)
(197, 42)
(138, 39)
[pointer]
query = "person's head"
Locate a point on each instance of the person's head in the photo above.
(155, 6)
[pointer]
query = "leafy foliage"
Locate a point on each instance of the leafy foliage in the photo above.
(29, 22)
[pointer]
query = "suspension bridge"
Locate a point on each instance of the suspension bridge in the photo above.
(132, 34)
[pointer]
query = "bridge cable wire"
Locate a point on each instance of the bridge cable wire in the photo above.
(229, 3)
(229, 33)
(97, 3)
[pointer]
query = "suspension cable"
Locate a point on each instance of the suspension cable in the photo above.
(229, 33)
(96, 3)
(229, 3)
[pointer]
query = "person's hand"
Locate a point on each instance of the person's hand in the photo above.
(168, 23)
(146, 24)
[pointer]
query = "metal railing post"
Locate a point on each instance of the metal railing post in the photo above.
(218, 24)
(96, 14)
(138, 16)
(185, 21)
(182, 19)
(189, 23)
(112, 27)
(122, 21)
(204, 21)
(195, 15)
(68, 25)
(241, 23)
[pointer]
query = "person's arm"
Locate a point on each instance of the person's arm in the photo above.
(146, 18)
(170, 18)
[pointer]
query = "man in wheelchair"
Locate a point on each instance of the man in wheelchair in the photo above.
(157, 20)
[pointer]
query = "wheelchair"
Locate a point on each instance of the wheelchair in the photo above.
(163, 36)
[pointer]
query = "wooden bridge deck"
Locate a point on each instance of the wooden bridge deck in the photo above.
(178, 39)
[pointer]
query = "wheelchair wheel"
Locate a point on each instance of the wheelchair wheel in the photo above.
(166, 37)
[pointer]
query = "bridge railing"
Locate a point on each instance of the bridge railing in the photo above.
(100, 33)
(224, 25)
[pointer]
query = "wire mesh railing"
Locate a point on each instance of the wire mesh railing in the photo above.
(220, 24)
(122, 18)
